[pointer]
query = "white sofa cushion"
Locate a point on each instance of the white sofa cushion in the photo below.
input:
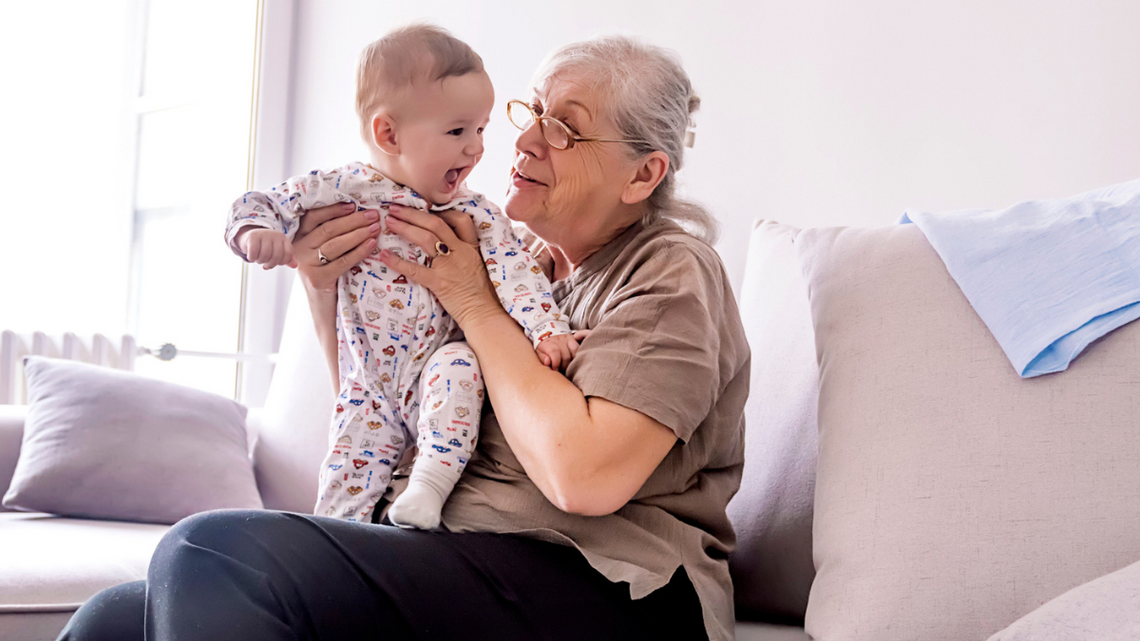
(953, 497)
(772, 514)
(57, 562)
(1104, 609)
(293, 436)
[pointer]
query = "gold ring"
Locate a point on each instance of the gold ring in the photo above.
(321, 257)
(441, 249)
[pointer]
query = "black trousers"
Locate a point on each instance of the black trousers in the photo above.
(260, 575)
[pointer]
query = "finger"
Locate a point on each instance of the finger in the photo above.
(555, 361)
(573, 344)
(254, 250)
(422, 219)
(337, 227)
(277, 250)
(413, 271)
(462, 225)
(544, 359)
(418, 236)
(347, 242)
(314, 218)
(266, 258)
(347, 260)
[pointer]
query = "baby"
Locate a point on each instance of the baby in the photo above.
(423, 99)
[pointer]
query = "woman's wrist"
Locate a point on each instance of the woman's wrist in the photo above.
(478, 316)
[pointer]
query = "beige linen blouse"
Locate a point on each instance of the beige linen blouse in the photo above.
(668, 342)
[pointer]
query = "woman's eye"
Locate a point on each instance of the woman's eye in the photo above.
(456, 132)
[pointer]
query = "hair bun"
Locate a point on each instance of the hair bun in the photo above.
(694, 102)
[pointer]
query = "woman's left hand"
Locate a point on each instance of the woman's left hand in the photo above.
(457, 275)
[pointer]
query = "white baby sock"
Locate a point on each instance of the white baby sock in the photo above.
(419, 505)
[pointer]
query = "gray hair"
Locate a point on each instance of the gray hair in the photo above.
(648, 97)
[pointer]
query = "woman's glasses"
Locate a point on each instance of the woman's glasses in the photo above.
(557, 133)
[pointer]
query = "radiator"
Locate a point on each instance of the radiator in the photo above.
(96, 349)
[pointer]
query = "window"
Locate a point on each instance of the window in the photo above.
(131, 138)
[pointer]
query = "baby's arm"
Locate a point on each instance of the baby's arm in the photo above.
(266, 222)
(522, 288)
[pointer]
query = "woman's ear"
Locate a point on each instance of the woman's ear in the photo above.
(383, 130)
(650, 172)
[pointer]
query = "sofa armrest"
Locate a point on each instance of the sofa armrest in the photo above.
(11, 436)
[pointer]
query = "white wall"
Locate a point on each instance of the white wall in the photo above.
(815, 112)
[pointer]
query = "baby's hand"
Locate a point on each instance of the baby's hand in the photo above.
(556, 352)
(266, 247)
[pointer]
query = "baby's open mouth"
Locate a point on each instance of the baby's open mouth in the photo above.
(452, 176)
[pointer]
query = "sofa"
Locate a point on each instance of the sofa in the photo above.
(901, 481)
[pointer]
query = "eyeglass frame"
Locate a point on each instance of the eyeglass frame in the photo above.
(571, 137)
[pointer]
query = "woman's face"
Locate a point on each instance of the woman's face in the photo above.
(577, 191)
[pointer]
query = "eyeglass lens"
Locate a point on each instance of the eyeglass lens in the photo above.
(522, 116)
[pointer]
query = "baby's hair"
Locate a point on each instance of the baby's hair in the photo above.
(404, 56)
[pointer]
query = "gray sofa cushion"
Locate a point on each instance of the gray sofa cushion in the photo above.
(101, 443)
(772, 514)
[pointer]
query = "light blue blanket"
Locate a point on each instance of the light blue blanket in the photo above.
(1047, 277)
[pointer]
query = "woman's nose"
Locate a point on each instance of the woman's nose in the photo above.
(531, 141)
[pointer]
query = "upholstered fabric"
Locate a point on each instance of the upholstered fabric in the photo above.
(50, 565)
(101, 443)
(294, 434)
(952, 496)
(1104, 609)
(772, 565)
(11, 433)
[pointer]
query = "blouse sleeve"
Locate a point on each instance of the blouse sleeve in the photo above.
(657, 346)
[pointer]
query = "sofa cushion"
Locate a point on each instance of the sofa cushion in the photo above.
(953, 497)
(294, 434)
(1104, 609)
(51, 565)
(772, 514)
(101, 443)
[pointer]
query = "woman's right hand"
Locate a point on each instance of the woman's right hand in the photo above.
(342, 235)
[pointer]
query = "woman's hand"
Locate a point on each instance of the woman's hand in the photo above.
(342, 235)
(458, 277)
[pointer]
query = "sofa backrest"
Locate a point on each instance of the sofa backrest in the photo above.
(772, 566)
(292, 438)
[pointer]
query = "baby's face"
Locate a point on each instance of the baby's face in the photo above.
(441, 140)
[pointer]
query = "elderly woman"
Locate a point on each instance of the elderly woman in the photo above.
(594, 507)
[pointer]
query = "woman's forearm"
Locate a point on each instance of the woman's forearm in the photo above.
(322, 305)
(587, 456)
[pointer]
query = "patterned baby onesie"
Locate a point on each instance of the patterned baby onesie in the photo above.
(390, 330)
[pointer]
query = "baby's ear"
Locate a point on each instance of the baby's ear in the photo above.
(384, 134)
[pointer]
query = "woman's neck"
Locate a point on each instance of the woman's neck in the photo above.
(568, 256)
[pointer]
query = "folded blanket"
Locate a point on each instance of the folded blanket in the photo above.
(1047, 277)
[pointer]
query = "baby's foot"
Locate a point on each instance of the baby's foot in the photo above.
(417, 507)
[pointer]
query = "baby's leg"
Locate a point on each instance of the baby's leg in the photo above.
(451, 397)
(365, 446)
